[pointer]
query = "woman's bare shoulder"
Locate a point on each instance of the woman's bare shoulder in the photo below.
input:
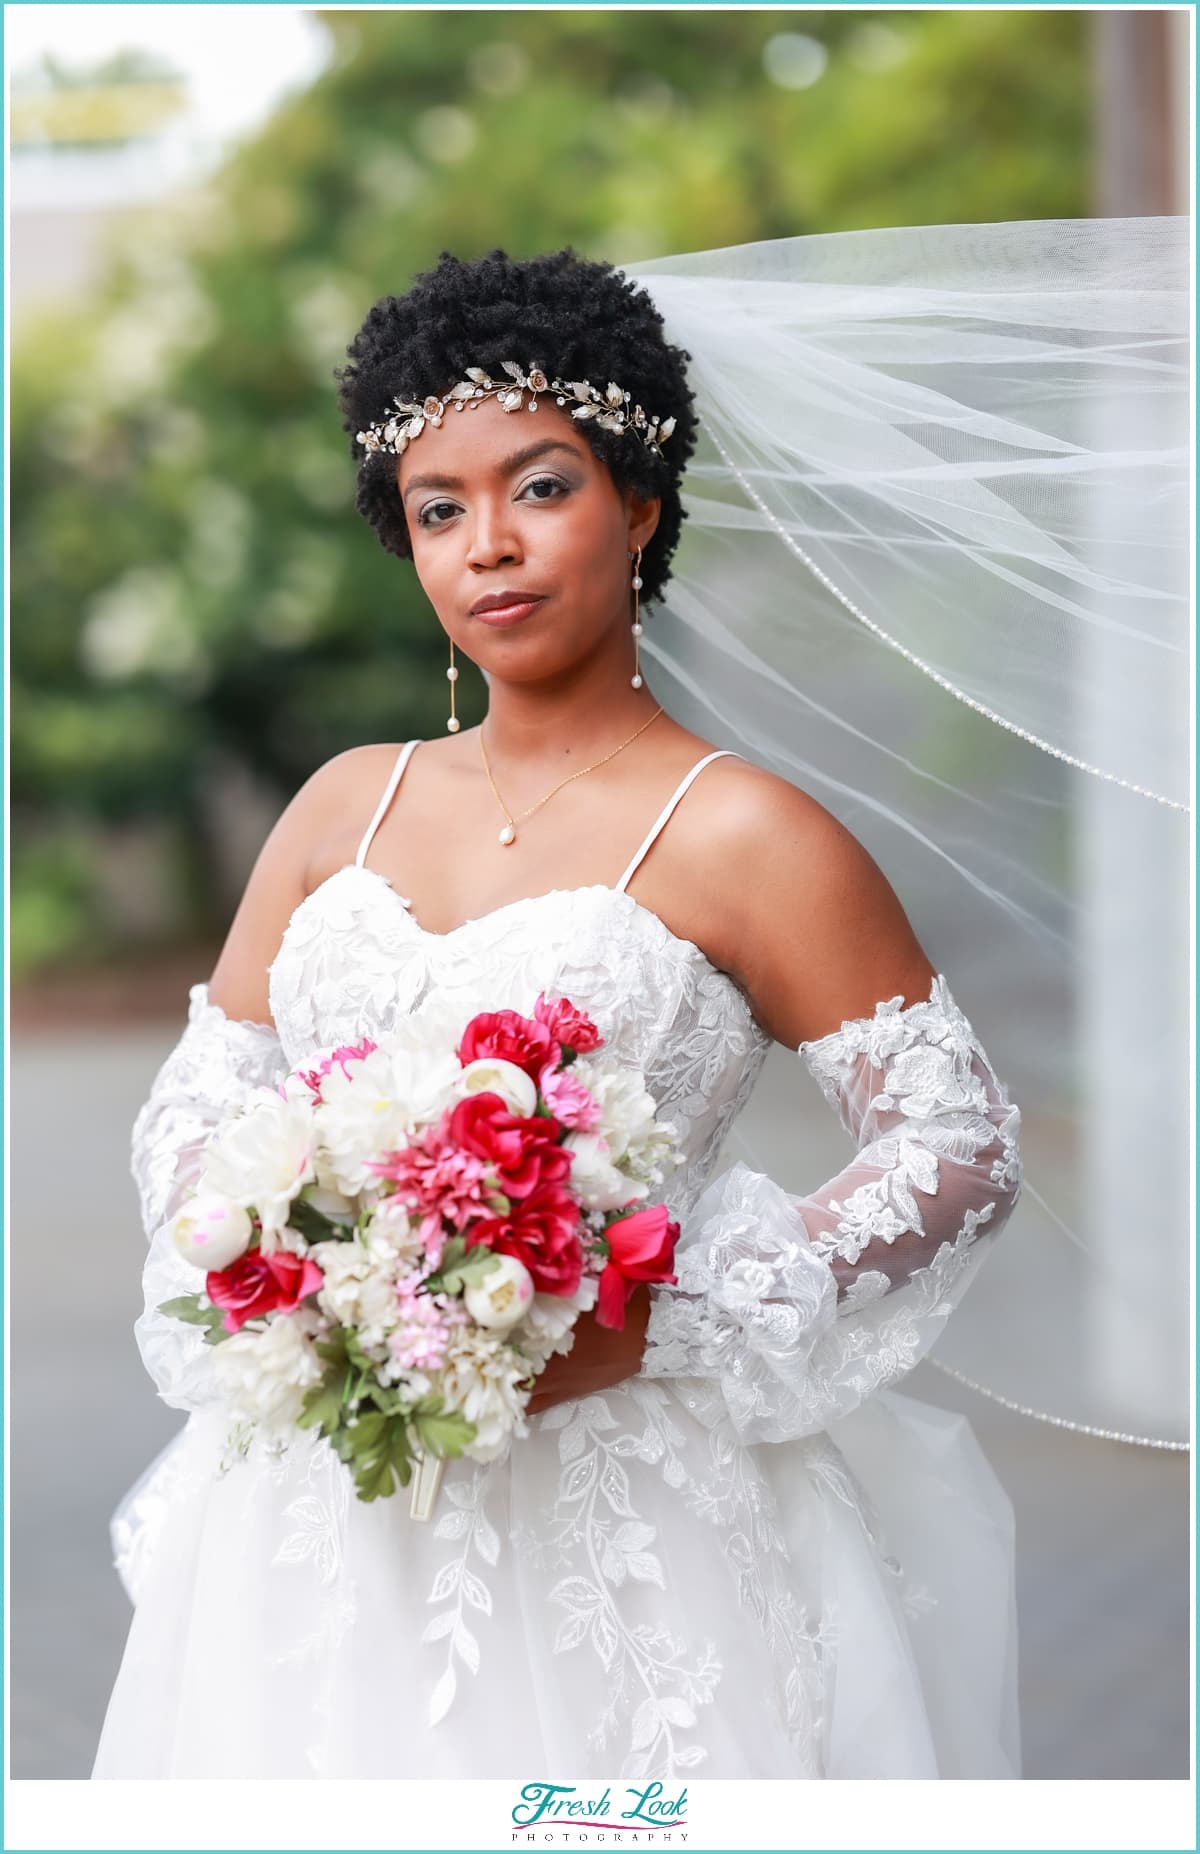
(815, 931)
(341, 790)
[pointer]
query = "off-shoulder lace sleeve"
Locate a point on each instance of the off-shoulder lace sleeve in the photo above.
(789, 1311)
(210, 1074)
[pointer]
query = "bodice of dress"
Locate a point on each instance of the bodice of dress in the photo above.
(354, 960)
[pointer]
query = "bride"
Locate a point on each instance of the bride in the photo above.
(727, 1545)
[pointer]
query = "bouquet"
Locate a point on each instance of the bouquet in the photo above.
(396, 1240)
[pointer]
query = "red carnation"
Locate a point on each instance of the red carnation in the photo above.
(523, 1149)
(543, 1232)
(641, 1247)
(257, 1284)
(567, 1024)
(512, 1038)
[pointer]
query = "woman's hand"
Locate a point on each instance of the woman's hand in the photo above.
(599, 1358)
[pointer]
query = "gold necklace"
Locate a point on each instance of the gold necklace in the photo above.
(508, 834)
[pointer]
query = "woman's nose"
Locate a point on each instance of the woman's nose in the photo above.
(493, 536)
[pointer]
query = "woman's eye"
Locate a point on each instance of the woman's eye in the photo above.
(423, 520)
(549, 488)
(542, 482)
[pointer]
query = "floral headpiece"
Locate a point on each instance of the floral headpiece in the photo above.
(611, 409)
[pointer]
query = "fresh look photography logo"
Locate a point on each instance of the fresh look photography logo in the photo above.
(550, 1813)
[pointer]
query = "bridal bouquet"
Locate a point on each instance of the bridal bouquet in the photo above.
(395, 1241)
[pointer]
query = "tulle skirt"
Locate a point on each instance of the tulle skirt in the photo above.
(628, 1594)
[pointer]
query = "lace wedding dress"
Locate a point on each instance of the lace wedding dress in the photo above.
(755, 1558)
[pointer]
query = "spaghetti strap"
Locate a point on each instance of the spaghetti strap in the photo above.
(402, 760)
(670, 805)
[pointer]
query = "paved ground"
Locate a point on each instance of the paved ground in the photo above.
(1102, 1530)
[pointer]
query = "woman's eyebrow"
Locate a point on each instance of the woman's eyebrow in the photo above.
(506, 466)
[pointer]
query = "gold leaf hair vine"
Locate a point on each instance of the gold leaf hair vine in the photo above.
(610, 409)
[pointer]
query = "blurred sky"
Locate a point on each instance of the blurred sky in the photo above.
(237, 61)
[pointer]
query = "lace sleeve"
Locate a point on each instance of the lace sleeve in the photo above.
(789, 1311)
(210, 1074)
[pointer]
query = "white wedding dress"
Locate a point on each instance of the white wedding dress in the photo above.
(754, 1559)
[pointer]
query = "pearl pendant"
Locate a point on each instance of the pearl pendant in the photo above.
(635, 682)
(507, 834)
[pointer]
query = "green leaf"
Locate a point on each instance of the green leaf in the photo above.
(321, 1406)
(464, 1273)
(388, 1458)
(446, 1434)
(314, 1225)
(197, 1311)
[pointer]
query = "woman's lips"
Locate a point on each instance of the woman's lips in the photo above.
(507, 614)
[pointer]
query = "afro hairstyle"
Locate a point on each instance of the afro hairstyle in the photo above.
(577, 318)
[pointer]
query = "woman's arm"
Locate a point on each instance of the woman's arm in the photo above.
(228, 1048)
(789, 1310)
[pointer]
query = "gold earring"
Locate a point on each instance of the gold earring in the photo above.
(452, 678)
(636, 678)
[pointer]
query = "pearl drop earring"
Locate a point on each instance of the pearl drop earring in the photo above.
(636, 678)
(452, 678)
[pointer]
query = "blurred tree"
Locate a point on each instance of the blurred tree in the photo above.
(191, 585)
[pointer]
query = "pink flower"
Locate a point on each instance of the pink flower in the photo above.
(257, 1284)
(418, 1342)
(567, 1024)
(435, 1177)
(520, 1040)
(541, 1230)
(641, 1247)
(572, 1104)
(348, 1052)
(523, 1151)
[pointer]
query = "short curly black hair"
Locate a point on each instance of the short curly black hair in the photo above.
(578, 318)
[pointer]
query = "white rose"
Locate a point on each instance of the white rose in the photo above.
(262, 1158)
(493, 1074)
(503, 1296)
(211, 1230)
(265, 1372)
(595, 1178)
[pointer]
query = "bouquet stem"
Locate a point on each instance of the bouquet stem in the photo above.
(426, 1481)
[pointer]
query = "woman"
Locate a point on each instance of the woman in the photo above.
(678, 1569)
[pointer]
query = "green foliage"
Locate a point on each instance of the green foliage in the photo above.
(372, 1427)
(188, 570)
(196, 1311)
(461, 1267)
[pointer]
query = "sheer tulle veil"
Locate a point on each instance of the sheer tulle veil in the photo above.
(935, 569)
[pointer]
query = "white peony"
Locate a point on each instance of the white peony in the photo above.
(388, 1097)
(595, 1177)
(550, 1322)
(264, 1372)
(211, 1230)
(642, 1146)
(627, 1109)
(503, 1296)
(480, 1378)
(493, 1074)
(263, 1158)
